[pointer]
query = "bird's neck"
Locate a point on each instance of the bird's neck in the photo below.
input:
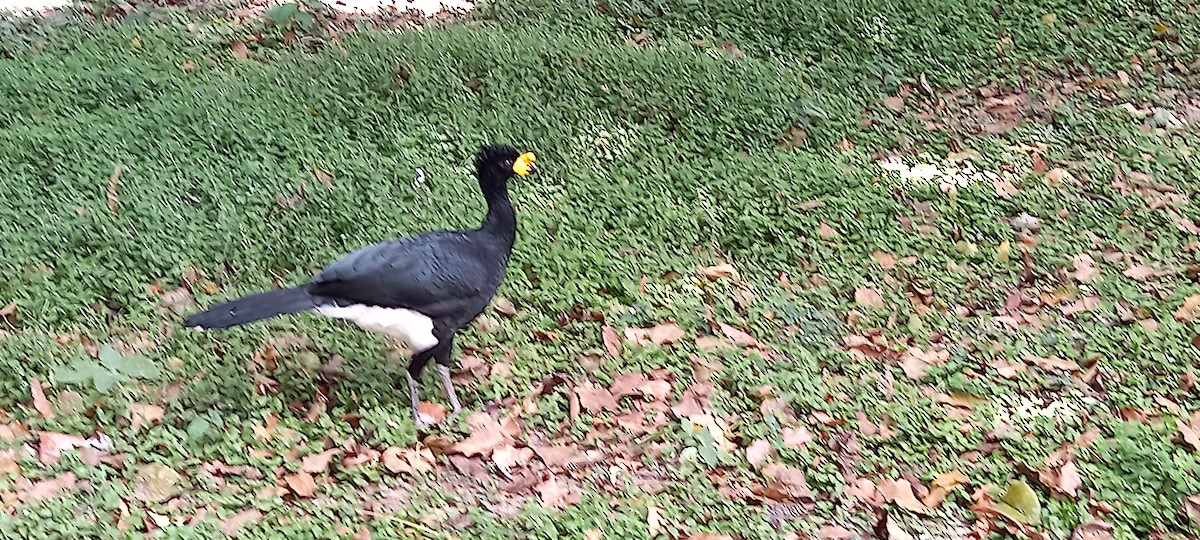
(501, 219)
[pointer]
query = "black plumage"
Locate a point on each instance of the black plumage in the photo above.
(423, 289)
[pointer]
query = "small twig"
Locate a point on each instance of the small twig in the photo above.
(113, 181)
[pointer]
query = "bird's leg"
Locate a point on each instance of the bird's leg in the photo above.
(448, 384)
(415, 367)
(442, 356)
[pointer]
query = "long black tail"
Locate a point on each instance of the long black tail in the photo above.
(252, 308)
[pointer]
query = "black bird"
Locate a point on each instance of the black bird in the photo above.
(420, 289)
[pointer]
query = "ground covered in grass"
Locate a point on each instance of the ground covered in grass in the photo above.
(806, 270)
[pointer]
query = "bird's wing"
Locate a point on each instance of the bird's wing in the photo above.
(431, 273)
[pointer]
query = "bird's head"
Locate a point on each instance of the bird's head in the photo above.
(499, 162)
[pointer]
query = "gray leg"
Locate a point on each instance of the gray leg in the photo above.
(448, 384)
(415, 400)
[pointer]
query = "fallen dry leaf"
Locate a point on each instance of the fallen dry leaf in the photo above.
(318, 463)
(654, 521)
(1004, 187)
(1085, 268)
(555, 494)
(504, 306)
(1141, 272)
(826, 232)
(1188, 226)
(1190, 430)
(719, 271)
(612, 342)
(301, 484)
(508, 456)
(47, 488)
(868, 297)
(596, 399)
(796, 437)
(239, 50)
(915, 361)
(737, 335)
(51, 445)
(789, 480)
(233, 524)
(834, 532)
(144, 414)
(1069, 480)
(895, 103)
(759, 452)
(486, 435)
(40, 403)
(901, 492)
(430, 412)
(1093, 530)
(864, 490)
(1190, 309)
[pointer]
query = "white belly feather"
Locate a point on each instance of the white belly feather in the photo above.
(415, 329)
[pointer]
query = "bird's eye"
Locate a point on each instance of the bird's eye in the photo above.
(508, 163)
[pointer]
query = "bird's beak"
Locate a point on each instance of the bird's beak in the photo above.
(524, 165)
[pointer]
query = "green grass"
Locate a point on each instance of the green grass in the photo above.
(656, 160)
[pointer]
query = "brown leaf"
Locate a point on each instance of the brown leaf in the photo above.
(1190, 309)
(1087, 303)
(1190, 430)
(915, 361)
(789, 480)
(737, 335)
(656, 390)
(887, 261)
(596, 399)
(7, 312)
(950, 480)
(233, 524)
(239, 50)
(864, 490)
(504, 306)
(901, 492)
(666, 333)
(47, 488)
(40, 403)
(627, 384)
(1188, 226)
(1004, 188)
(187, 66)
(796, 437)
(1093, 530)
(1085, 268)
(868, 297)
(144, 414)
(1141, 272)
(711, 343)
(508, 456)
(826, 232)
(1053, 363)
(895, 103)
(301, 484)
(177, 300)
(759, 452)
(1191, 505)
(51, 445)
(486, 435)
(318, 463)
(8, 463)
(430, 412)
(1069, 480)
(555, 494)
(612, 342)
(719, 271)
(834, 532)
